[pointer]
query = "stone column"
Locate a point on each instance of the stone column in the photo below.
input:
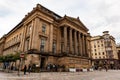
(75, 41)
(58, 40)
(31, 35)
(89, 49)
(50, 37)
(86, 47)
(79, 43)
(65, 39)
(71, 43)
(83, 47)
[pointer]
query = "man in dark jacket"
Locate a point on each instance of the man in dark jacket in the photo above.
(25, 68)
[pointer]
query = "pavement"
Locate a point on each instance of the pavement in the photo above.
(95, 75)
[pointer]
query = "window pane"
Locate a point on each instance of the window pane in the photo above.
(54, 47)
(43, 28)
(42, 45)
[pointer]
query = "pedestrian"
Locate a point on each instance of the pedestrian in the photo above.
(53, 67)
(106, 68)
(48, 67)
(25, 68)
(12, 67)
(29, 68)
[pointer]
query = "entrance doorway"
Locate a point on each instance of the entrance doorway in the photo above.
(42, 63)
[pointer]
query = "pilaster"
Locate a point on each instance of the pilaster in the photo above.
(35, 37)
(22, 45)
(50, 37)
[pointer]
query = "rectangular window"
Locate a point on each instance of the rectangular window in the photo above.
(42, 45)
(43, 28)
(17, 38)
(95, 53)
(94, 46)
(62, 47)
(27, 44)
(102, 45)
(99, 53)
(103, 53)
(20, 36)
(29, 30)
(95, 50)
(98, 46)
(54, 47)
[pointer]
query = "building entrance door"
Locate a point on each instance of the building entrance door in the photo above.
(42, 64)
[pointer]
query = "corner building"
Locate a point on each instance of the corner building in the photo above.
(104, 51)
(47, 38)
(118, 52)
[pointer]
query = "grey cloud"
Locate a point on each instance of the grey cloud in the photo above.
(97, 15)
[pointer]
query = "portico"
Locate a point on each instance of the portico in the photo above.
(74, 41)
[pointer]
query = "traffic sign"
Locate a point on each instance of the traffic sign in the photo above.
(22, 55)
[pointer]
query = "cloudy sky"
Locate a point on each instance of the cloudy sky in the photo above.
(97, 15)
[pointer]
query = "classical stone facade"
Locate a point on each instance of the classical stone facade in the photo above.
(48, 38)
(104, 50)
(2, 42)
(118, 52)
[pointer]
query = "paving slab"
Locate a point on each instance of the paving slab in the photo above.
(95, 75)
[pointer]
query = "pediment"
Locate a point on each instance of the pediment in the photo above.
(72, 21)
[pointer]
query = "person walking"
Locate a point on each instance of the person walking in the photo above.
(25, 68)
(29, 68)
(106, 68)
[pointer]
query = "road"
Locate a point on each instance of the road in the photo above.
(96, 75)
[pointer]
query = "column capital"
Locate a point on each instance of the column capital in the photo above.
(75, 30)
(84, 35)
(64, 26)
(79, 33)
(70, 28)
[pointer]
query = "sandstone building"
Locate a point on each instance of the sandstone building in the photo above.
(118, 52)
(48, 38)
(104, 50)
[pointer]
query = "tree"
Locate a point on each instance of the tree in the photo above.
(10, 57)
(16, 57)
